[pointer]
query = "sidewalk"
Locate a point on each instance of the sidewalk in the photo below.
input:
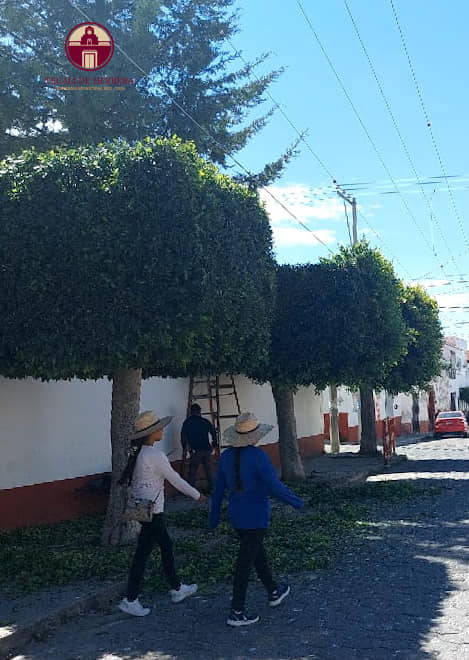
(35, 616)
(349, 468)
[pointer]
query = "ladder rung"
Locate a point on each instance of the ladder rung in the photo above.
(227, 416)
(225, 387)
(201, 396)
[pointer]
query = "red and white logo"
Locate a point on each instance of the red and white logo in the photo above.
(89, 46)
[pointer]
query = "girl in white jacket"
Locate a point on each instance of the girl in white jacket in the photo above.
(145, 472)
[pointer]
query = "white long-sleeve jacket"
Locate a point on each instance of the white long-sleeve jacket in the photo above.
(151, 470)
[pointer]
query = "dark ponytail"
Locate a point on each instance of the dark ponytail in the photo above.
(237, 467)
(128, 473)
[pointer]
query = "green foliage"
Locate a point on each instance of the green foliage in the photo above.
(338, 321)
(120, 256)
(422, 362)
(39, 557)
(182, 47)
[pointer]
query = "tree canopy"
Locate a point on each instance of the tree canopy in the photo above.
(176, 53)
(120, 256)
(117, 258)
(337, 322)
(422, 362)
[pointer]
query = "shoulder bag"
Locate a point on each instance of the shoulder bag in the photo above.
(138, 509)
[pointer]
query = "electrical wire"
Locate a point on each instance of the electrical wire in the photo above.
(428, 122)
(367, 133)
(214, 140)
(399, 134)
(320, 161)
(285, 116)
(375, 148)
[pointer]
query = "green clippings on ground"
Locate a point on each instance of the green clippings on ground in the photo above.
(40, 557)
(189, 519)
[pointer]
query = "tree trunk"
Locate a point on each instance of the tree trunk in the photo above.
(415, 413)
(290, 461)
(367, 413)
(431, 409)
(126, 384)
(334, 421)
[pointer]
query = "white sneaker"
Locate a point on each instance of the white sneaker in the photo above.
(184, 591)
(133, 607)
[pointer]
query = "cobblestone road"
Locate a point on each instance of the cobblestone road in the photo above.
(403, 592)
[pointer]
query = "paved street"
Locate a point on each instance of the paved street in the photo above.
(401, 592)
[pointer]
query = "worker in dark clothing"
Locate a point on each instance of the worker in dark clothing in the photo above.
(196, 443)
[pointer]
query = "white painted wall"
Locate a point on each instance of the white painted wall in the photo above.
(308, 412)
(51, 431)
(167, 396)
(347, 403)
(61, 430)
(446, 382)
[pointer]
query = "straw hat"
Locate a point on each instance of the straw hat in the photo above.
(147, 422)
(246, 431)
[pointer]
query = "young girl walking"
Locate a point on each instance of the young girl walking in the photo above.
(145, 472)
(246, 472)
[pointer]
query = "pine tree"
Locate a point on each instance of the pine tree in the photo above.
(177, 54)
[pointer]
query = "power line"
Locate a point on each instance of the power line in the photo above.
(367, 133)
(318, 159)
(429, 125)
(285, 116)
(208, 134)
(365, 220)
(401, 139)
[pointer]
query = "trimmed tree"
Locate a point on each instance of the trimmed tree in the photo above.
(377, 326)
(119, 258)
(336, 322)
(422, 362)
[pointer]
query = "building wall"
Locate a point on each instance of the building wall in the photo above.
(455, 373)
(51, 431)
(55, 439)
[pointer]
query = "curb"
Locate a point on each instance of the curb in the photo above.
(46, 624)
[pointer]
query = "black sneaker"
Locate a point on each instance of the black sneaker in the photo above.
(281, 592)
(240, 619)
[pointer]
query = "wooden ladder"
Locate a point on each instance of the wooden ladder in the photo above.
(210, 389)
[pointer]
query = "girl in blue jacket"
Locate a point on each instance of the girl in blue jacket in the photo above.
(249, 476)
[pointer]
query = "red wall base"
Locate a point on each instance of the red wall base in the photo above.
(49, 502)
(54, 501)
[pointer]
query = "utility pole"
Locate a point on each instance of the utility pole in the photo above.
(334, 408)
(353, 203)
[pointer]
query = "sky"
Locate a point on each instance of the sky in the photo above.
(404, 155)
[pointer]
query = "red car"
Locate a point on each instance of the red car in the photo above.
(450, 422)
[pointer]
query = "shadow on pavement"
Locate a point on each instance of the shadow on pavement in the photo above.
(386, 597)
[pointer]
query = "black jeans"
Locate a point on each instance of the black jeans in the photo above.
(251, 553)
(197, 458)
(151, 533)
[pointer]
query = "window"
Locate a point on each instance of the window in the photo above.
(450, 415)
